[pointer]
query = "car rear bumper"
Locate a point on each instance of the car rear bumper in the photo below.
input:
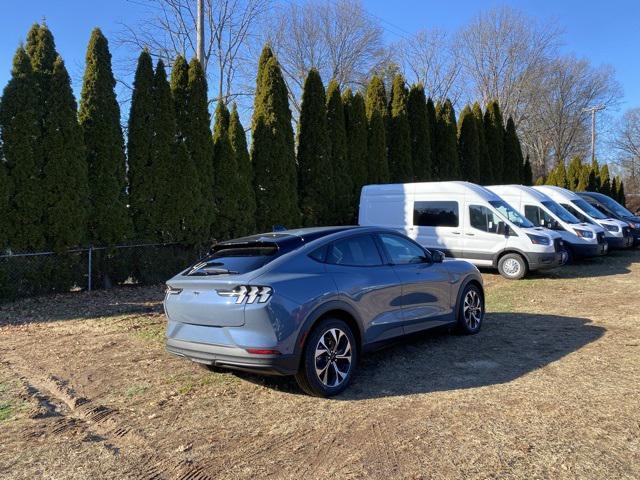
(620, 242)
(233, 357)
(594, 250)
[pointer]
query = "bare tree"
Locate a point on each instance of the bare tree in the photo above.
(337, 37)
(429, 57)
(169, 29)
(502, 53)
(627, 143)
(557, 126)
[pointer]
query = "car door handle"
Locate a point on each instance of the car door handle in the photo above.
(456, 233)
(470, 234)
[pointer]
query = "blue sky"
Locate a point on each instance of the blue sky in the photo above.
(603, 32)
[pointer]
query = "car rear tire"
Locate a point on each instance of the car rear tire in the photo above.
(329, 359)
(513, 266)
(471, 310)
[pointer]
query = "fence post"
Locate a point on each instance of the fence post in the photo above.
(90, 267)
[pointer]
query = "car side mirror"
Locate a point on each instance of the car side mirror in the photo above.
(437, 256)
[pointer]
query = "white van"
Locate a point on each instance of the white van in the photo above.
(580, 239)
(465, 221)
(617, 233)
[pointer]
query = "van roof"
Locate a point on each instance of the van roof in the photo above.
(519, 189)
(558, 190)
(429, 187)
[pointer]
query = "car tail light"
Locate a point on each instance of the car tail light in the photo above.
(262, 351)
(173, 290)
(250, 293)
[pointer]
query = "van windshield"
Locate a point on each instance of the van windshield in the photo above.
(508, 212)
(615, 207)
(560, 212)
(588, 209)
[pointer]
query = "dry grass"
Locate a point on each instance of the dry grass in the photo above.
(548, 389)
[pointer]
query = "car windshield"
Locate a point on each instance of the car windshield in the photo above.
(234, 259)
(560, 212)
(615, 207)
(508, 212)
(588, 209)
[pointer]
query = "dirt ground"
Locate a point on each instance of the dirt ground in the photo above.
(548, 389)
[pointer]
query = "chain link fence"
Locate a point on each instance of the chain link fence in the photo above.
(37, 273)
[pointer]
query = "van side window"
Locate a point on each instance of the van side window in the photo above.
(538, 216)
(579, 215)
(483, 219)
(435, 214)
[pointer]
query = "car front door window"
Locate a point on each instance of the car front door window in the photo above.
(402, 251)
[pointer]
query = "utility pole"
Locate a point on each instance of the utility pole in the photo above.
(593, 111)
(200, 33)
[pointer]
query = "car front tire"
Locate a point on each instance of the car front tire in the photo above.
(329, 359)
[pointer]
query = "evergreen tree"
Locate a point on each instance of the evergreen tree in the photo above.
(41, 49)
(65, 182)
(315, 170)
(583, 178)
(226, 185)
(420, 133)
(337, 143)
(433, 126)
(605, 181)
(272, 149)
(561, 175)
(139, 150)
(199, 142)
(594, 176)
(99, 117)
(4, 206)
(527, 174)
(399, 135)
(486, 170)
(494, 135)
(614, 189)
(20, 131)
(356, 130)
(551, 179)
(513, 161)
(375, 108)
(246, 195)
(574, 174)
(446, 143)
(468, 146)
(541, 181)
(622, 199)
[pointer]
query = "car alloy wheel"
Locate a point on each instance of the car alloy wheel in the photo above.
(511, 267)
(333, 357)
(472, 309)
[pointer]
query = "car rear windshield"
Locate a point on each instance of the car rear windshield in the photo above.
(234, 260)
(587, 208)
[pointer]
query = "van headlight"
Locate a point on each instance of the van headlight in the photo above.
(539, 240)
(612, 228)
(250, 293)
(583, 233)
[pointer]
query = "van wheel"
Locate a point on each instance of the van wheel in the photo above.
(513, 266)
(328, 360)
(470, 310)
(570, 256)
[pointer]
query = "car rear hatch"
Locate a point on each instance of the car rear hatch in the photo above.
(202, 294)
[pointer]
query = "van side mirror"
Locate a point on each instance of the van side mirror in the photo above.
(437, 256)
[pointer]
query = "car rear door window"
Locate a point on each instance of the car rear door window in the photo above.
(402, 251)
(360, 251)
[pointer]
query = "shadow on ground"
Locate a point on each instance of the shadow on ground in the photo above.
(509, 346)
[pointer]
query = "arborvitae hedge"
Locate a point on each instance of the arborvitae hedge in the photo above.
(20, 130)
(594, 177)
(512, 162)
(199, 142)
(357, 132)
(375, 106)
(139, 150)
(99, 118)
(486, 170)
(272, 149)
(315, 170)
(446, 144)
(574, 173)
(605, 180)
(246, 195)
(4, 206)
(420, 133)
(337, 138)
(527, 173)
(622, 199)
(468, 146)
(226, 183)
(494, 137)
(65, 182)
(399, 135)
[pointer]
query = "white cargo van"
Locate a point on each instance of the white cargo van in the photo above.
(465, 221)
(580, 239)
(617, 233)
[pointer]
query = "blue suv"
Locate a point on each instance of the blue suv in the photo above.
(309, 302)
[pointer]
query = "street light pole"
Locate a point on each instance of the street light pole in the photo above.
(593, 111)
(200, 33)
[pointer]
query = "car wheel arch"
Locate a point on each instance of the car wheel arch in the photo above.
(463, 285)
(507, 251)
